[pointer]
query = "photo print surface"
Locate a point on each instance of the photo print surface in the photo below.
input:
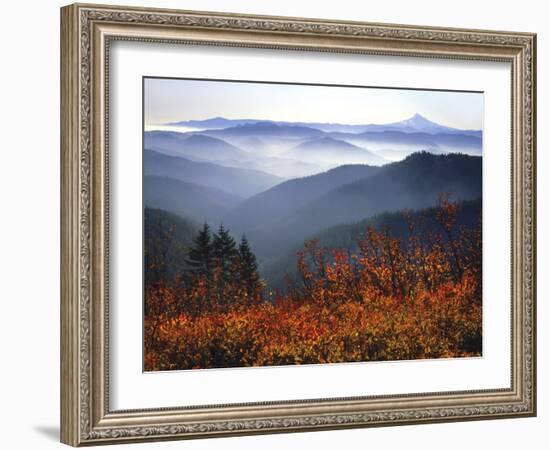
(289, 224)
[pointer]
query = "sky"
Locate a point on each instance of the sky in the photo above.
(173, 100)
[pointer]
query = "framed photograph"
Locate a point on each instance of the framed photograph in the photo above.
(275, 224)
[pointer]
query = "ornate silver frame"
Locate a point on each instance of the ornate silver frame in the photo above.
(86, 31)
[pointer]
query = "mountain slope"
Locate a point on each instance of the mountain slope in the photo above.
(193, 146)
(413, 183)
(344, 236)
(228, 151)
(288, 197)
(272, 139)
(198, 203)
(241, 182)
(403, 143)
(166, 239)
(333, 151)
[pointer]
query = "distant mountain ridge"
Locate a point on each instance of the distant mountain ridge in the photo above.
(419, 123)
(240, 182)
(267, 129)
(291, 150)
(415, 123)
(330, 150)
(191, 145)
(397, 144)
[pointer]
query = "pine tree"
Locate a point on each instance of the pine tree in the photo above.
(225, 252)
(201, 254)
(248, 267)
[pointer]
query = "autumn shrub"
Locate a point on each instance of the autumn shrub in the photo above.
(392, 299)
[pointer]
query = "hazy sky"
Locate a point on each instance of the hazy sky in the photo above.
(171, 100)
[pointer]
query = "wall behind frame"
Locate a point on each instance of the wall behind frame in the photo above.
(29, 224)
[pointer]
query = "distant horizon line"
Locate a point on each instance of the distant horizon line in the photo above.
(416, 115)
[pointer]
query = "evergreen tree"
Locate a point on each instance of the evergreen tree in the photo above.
(201, 254)
(225, 252)
(248, 267)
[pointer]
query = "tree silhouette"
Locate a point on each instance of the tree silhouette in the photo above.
(225, 252)
(202, 253)
(248, 267)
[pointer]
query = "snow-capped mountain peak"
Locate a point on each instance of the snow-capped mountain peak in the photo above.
(419, 123)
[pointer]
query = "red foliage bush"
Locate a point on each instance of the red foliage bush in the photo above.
(393, 299)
